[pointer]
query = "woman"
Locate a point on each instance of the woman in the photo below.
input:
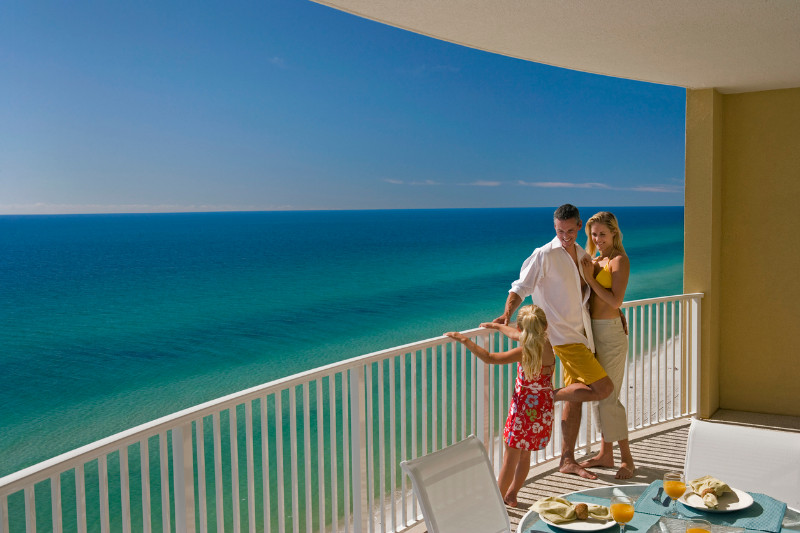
(607, 274)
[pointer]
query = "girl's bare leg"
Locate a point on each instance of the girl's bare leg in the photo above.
(520, 475)
(511, 460)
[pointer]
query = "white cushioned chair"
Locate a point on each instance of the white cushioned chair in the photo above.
(457, 490)
(750, 458)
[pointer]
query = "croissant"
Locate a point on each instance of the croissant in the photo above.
(709, 488)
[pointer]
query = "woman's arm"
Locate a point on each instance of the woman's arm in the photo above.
(490, 358)
(620, 272)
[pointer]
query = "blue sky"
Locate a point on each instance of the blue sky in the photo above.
(287, 104)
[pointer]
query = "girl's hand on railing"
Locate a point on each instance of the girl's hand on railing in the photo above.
(456, 335)
(509, 331)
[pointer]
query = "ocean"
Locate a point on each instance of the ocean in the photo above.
(109, 321)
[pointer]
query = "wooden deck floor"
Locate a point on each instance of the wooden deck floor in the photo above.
(655, 451)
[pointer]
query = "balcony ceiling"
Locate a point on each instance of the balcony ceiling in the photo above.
(732, 45)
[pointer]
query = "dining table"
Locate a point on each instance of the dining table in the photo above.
(763, 515)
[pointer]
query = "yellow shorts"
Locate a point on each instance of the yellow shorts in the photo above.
(579, 363)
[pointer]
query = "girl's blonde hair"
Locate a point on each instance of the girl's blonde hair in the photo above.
(610, 221)
(532, 323)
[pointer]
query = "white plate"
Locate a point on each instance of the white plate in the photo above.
(729, 501)
(590, 524)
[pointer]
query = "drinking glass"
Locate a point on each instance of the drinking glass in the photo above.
(622, 510)
(698, 526)
(674, 486)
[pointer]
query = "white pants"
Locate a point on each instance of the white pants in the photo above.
(611, 346)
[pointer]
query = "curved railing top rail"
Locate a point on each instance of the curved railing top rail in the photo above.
(41, 471)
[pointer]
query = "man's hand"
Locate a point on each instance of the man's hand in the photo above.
(502, 319)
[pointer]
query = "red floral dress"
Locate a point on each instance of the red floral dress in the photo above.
(530, 416)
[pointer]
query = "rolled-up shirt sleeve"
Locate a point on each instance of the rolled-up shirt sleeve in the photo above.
(529, 275)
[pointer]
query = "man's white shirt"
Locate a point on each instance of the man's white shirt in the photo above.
(553, 280)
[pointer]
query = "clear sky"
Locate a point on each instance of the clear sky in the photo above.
(287, 104)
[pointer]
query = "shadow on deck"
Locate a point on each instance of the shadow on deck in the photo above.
(655, 450)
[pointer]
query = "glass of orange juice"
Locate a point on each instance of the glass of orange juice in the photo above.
(698, 526)
(622, 510)
(674, 486)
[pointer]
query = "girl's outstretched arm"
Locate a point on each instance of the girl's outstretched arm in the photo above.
(490, 358)
(509, 331)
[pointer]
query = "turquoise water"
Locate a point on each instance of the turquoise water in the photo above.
(120, 319)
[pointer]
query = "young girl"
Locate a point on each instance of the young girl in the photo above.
(530, 416)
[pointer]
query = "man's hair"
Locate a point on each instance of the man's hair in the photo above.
(566, 212)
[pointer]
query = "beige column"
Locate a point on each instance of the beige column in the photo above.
(703, 230)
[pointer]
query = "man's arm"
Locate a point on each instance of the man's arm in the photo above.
(512, 302)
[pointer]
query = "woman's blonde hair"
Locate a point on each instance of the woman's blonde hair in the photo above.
(610, 221)
(532, 323)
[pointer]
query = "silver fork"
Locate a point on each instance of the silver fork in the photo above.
(657, 497)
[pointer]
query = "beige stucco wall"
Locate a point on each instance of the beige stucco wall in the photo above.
(741, 246)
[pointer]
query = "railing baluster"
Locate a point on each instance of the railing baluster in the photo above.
(393, 440)
(30, 509)
(164, 467)
(370, 445)
(265, 481)
(347, 378)
(307, 453)
(234, 439)
(55, 503)
(220, 504)
(80, 498)
(382, 445)
(463, 391)
(201, 475)
(424, 396)
(124, 490)
(251, 482)
(334, 455)
(183, 476)
(358, 438)
(102, 478)
(320, 456)
(434, 396)
(403, 452)
(293, 457)
(280, 459)
(4, 514)
(451, 438)
(144, 460)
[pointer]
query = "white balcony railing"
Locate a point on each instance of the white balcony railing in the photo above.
(320, 450)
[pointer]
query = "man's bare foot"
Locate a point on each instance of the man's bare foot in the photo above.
(625, 471)
(599, 460)
(571, 467)
(510, 500)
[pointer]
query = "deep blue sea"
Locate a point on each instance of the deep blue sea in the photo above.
(109, 321)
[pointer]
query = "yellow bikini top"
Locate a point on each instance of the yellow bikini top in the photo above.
(604, 276)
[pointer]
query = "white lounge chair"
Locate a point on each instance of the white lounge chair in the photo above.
(750, 458)
(457, 490)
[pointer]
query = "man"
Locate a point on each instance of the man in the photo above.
(553, 277)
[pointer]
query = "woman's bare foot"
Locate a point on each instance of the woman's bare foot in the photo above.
(569, 466)
(511, 500)
(626, 470)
